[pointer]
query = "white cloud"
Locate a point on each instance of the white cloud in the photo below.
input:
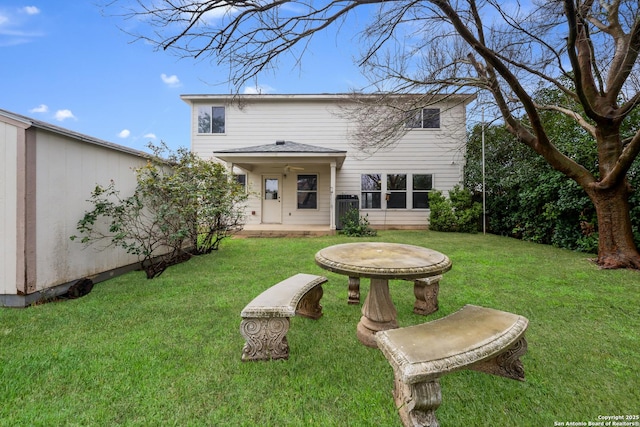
(216, 14)
(62, 115)
(171, 81)
(150, 136)
(124, 133)
(31, 10)
(40, 109)
(258, 89)
(14, 30)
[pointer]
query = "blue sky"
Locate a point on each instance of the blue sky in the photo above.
(65, 63)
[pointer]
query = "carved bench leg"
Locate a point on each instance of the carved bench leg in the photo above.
(426, 292)
(309, 306)
(266, 338)
(507, 364)
(417, 403)
(354, 290)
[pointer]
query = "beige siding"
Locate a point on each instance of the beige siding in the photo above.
(317, 122)
(67, 171)
(8, 211)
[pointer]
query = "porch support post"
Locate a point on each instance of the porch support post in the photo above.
(230, 167)
(332, 194)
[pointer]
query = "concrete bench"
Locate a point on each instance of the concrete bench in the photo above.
(265, 320)
(425, 290)
(477, 338)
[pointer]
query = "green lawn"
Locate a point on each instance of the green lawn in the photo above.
(165, 352)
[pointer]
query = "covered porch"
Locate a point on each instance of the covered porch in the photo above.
(291, 186)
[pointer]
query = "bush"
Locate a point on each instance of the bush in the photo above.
(182, 206)
(459, 213)
(354, 225)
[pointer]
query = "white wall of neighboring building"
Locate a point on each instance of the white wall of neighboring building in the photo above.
(47, 174)
(8, 211)
(67, 171)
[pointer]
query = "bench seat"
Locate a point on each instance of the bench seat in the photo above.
(265, 320)
(477, 338)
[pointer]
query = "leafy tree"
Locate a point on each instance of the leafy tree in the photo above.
(209, 200)
(500, 50)
(182, 206)
(528, 199)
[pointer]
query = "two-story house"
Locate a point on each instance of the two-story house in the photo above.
(297, 156)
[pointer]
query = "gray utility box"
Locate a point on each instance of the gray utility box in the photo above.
(344, 203)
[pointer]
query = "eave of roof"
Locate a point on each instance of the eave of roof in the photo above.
(188, 98)
(281, 152)
(281, 147)
(29, 122)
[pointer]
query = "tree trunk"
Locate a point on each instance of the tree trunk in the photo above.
(616, 247)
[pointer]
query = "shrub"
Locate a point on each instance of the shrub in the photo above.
(354, 225)
(458, 213)
(182, 205)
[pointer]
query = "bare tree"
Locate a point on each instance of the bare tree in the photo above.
(587, 49)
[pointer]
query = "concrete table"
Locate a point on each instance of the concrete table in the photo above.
(381, 262)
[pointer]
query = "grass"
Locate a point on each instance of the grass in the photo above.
(140, 352)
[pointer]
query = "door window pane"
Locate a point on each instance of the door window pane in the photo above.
(271, 188)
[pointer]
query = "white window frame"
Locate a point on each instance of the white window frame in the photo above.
(421, 191)
(306, 191)
(393, 192)
(409, 191)
(419, 119)
(371, 200)
(202, 109)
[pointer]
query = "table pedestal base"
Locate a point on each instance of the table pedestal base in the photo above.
(378, 313)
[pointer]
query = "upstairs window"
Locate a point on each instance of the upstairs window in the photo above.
(211, 119)
(425, 118)
(307, 191)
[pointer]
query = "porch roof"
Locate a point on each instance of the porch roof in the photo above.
(281, 152)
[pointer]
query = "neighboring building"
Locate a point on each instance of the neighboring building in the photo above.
(296, 155)
(47, 173)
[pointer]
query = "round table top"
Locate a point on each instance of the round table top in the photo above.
(383, 260)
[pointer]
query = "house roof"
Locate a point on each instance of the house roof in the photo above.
(282, 147)
(281, 152)
(333, 97)
(28, 122)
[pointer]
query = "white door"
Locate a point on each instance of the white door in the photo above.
(271, 194)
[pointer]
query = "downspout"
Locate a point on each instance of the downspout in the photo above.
(332, 200)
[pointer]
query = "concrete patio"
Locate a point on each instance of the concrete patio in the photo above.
(283, 230)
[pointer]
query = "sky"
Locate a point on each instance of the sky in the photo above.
(66, 63)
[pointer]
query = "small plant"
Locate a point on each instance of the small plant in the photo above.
(354, 225)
